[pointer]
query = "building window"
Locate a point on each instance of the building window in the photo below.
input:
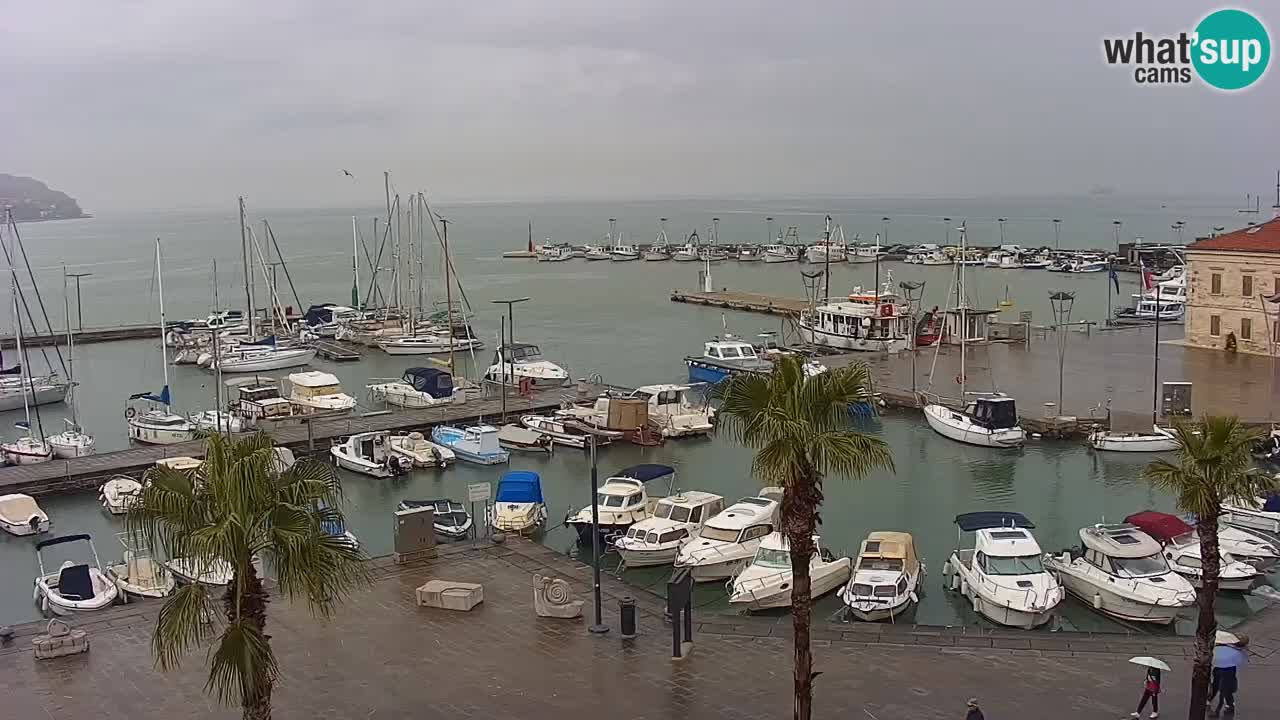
(1246, 328)
(1215, 284)
(1215, 324)
(1246, 286)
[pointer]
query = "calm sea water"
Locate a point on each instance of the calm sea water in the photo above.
(615, 320)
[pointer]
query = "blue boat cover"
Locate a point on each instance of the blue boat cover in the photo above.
(318, 314)
(970, 522)
(645, 472)
(519, 486)
(267, 341)
(1272, 503)
(433, 381)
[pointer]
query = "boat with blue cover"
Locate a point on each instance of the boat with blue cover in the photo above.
(725, 357)
(621, 502)
(518, 505)
(477, 444)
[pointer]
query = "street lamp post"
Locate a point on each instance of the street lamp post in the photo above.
(1061, 301)
(598, 627)
(1002, 221)
(79, 307)
(885, 222)
(1057, 227)
(505, 350)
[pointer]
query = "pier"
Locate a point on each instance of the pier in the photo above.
(743, 301)
(336, 351)
(85, 336)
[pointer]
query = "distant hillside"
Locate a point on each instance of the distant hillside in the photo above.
(33, 200)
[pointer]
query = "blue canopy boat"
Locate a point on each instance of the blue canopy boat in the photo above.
(519, 506)
(621, 502)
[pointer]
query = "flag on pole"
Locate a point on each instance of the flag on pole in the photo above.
(1148, 282)
(1115, 279)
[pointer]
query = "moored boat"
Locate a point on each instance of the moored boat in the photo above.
(518, 505)
(369, 453)
(766, 582)
(657, 539)
(476, 444)
(451, 518)
(21, 515)
(729, 540)
(621, 502)
(76, 587)
(1003, 574)
(886, 577)
(421, 451)
(119, 494)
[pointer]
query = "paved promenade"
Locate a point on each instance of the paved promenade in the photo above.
(382, 657)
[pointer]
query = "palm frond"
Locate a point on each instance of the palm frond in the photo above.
(240, 663)
(1213, 466)
(850, 453)
(184, 623)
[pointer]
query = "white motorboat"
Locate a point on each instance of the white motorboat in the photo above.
(75, 588)
(369, 453)
(1183, 541)
(451, 518)
(1004, 260)
(1261, 513)
(620, 502)
(566, 433)
(886, 578)
(1146, 310)
(1088, 265)
(518, 505)
(656, 540)
(780, 253)
(729, 540)
(866, 253)
(867, 322)
(687, 252)
(1003, 575)
(250, 358)
(421, 451)
(419, 387)
(1119, 571)
(1158, 440)
(21, 515)
(766, 581)
(215, 421)
(519, 437)
(215, 573)
(315, 393)
(986, 422)
(429, 344)
(595, 252)
(476, 444)
(1233, 575)
(555, 253)
(623, 252)
(672, 411)
(724, 356)
(522, 364)
(749, 253)
(138, 574)
(26, 450)
(72, 442)
(119, 494)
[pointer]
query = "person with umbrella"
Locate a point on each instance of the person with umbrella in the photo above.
(1229, 654)
(1151, 686)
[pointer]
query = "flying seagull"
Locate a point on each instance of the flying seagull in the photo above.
(348, 174)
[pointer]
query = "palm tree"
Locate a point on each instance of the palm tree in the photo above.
(801, 430)
(240, 508)
(1213, 466)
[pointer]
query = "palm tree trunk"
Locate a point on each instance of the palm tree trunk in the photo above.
(1206, 620)
(256, 703)
(799, 520)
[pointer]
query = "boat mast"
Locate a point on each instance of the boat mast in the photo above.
(268, 269)
(164, 348)
(71, 351)
(217, 365)
(964, 318)
(826, 245)
(413, 308)
(355, 265)
(1155, 362)
(248, 276)
(448, 291)
(27, 385)
(422, 251)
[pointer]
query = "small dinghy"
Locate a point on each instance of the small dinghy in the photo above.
(138, 574)
(451, 518)
(20, 515)
(218, 573)
(518, 505)
(119, 494)
(75, 587)
(477, 444)
(515, 437)
(421, 451)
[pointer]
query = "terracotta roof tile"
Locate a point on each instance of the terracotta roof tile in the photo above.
(1264, 237)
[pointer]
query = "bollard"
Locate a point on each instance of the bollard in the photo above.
(627, 608)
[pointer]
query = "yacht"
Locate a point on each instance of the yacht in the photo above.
(159, 426)
(420, 451)
(318, 393)
(518, 506)
(437, 343)
(766, 581)
(450, 517)
(620, 502)
(886, 578)
(476, 444)
(1242, 545)
(37, 390)
(1088, 265)
(250, 358)
(724, 357)
(567, 433)
(828, 249)
(1119, 571)
(524, 363)
(671, 410)
(20, 515)
(656, 540)
(1003, 574)
(418, 387)
(26, 450)
(518, 437)
(686, 253)
(990, 421)
(76, 587)
(119, 494)
(867, 322)
(369, 453)
(729, 540)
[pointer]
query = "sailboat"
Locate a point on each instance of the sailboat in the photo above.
(26, 450)
(159, 426)
(71, 442)
(990, 420)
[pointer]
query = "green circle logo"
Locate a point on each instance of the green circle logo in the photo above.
(1232, 49)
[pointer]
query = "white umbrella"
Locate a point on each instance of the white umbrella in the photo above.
(1150, 662)
(1225, 638)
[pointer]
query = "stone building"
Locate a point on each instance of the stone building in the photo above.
(1232, 280)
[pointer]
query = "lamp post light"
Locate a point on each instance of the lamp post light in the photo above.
(946, 231)
(768, 230)
(1115, 224)
(1061, 302)
(1001, 221)
(598, 627)
(885, 221)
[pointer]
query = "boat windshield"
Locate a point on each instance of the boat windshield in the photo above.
(766, 557)
(616, 501)
(720, 534)
(1140, 567)
(1017, 565)
(669, 511)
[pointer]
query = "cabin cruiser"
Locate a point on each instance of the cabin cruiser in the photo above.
(119, 494)
(138, 574)
(766, 581)
(421, 451)
(1182, 550)
(780, 253)
(1158, 440)
(518, 506)
(620, 502)
(76, 587)
(476, 444)
(20, 515)
(1087, 265)
(523, 362)
(323, 320)
(1003, 575)
(725, 357)
(1262, 513)
(867, 322)
(990, 421)
(656, 540)
(1147, 310)
(212, 421)
(886, 578)
(429, 344)
(729, 540)
(451, 518)
(39, 390)
(1120, 571)
(867, 253)
(259, 399)
(318, 393)
(419, 387)
(1241, 544)
(369, 453)
(563, 432)
(673, 413)
(215, 573)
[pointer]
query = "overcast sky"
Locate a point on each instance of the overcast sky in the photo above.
(156, 103)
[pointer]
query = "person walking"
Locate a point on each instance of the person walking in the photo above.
(1226, 660)
(1150, 691)
(975, 712)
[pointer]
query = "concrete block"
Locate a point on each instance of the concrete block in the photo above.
(450, 595)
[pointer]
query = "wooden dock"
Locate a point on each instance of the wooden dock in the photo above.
(337, 352)
(744, 301)
(85, 336)
(317, 435)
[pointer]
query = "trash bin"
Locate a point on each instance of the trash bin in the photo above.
(627, 608)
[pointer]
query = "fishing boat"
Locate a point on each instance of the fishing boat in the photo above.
(158, 425)
(859, 254)
(687, 252)
(1088, 265)
(418, 387)
(781, 253)
(749, 253)
(518, 506)
(595, 252)
(77, 587)
(21, 515)
(660, 250)
(450, 517)
(119, 494)
(828, 249)
(672, 411)
(725, 356)
(523, 363)
(138, 574)
(624, 253)
(729, 540)
(766, 582)
(421, 451)
(1120, 571)
(866, 322)
(657, 539)
(73, 441)
(215, 573)
(368, 453)
(555, 253)
(620, 502)
(475, 444)
(1003, 574)
(1003, 260)
(886, 577)
(318, 393)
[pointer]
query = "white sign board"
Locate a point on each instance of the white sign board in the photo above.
(478, 492)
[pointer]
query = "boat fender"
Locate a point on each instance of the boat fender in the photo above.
(1097, 601)
(960, 379)
(977, 604)
(964, 588)
(946, 568)
(130, 413)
